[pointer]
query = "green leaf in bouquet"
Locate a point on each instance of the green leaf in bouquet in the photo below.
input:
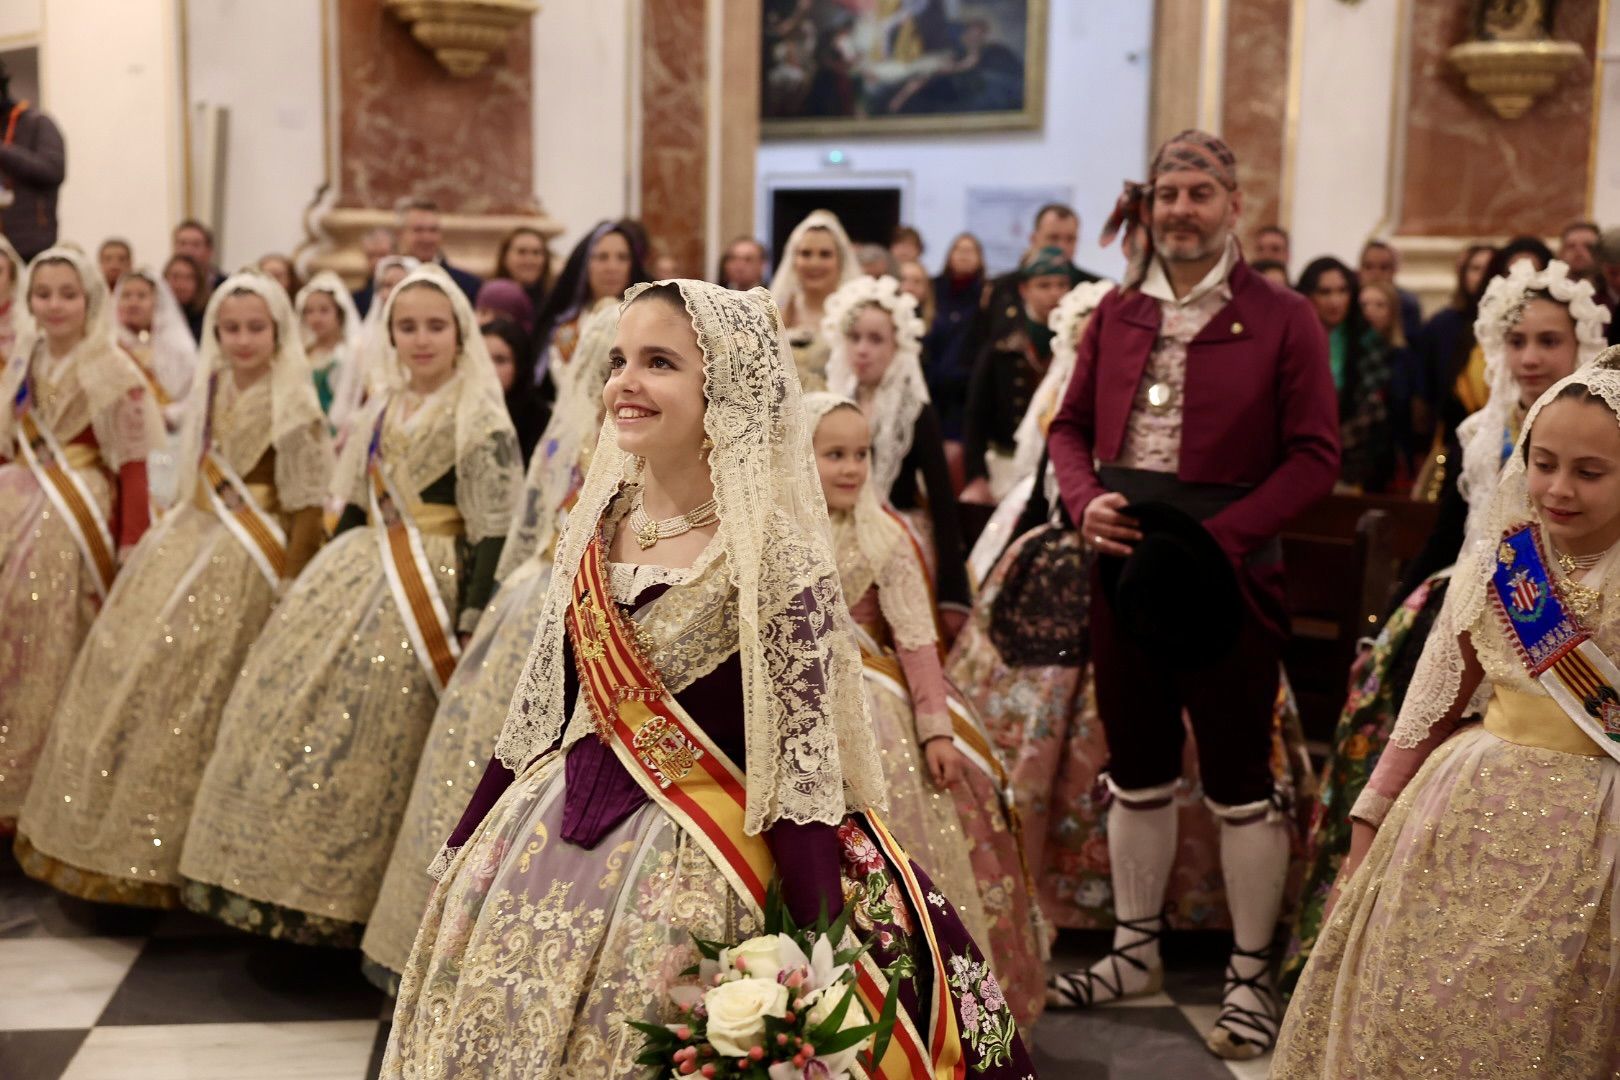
(710, 950)
(886, 1020)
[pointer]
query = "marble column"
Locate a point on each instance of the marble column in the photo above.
(401, 126)
(699, 126)
(1466, 173)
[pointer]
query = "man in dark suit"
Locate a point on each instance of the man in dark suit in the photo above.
(1203, 386)
(420, 236)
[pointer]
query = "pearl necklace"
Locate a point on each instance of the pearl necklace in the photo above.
(648, 532)
(1579, 564)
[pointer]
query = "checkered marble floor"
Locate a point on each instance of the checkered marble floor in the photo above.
(98, 993)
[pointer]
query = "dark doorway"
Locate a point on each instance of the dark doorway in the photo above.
(869, 214)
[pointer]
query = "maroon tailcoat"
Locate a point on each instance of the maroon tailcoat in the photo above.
(1259, 409)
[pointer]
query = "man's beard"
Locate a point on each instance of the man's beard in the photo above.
(1208, 246)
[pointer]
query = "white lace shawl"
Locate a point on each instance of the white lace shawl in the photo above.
(1482, 435)
(873, 547)
(902, 392)
(1437, 681)
(375, 350)
(348, 385)
(810, 751)
(127, 425)
(297, 427)
(174, 352)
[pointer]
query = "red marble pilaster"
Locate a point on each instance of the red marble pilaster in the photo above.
(674, 129)
(1469, 172)
(1255, 104)
(407, 127)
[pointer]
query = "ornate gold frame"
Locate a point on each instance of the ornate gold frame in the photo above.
(1032, 115)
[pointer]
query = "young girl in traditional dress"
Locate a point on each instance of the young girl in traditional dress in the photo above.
(1534, 327)
(297, 811)
(475, 700)
(1476, 935)
(107, 814)
(330, 325)
(875, 339)
(149, 325)
(77, 421)
(818, 260)
(694, 657)
(945, 784)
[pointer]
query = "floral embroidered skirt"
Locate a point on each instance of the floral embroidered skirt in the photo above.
(47, 603)
(534, 952)
(1480, 936)
(107, 814)
(459, 745)
(1378, 683)
(1042, 720)
(296, 815)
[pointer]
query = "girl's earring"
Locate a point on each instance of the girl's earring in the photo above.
(707, 445)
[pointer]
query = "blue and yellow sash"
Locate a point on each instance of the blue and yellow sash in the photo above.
(705, 793)
(1556, 649)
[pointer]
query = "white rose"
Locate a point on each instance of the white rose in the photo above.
(761, 957)
(737, 1012)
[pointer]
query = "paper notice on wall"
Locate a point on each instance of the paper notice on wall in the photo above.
(1003, 218)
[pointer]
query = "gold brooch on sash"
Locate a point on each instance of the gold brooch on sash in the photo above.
(665, 750)
(593, 629)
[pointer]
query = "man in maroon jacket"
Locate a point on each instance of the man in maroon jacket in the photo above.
(1201, 385)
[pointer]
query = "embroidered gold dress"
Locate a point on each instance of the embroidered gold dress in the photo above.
(296, 814)
(1479, 937)
(94, 401)
(107, 813)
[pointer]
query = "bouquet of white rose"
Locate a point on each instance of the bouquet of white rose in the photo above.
(780, 1006)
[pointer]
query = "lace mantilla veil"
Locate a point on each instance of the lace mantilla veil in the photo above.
(785, 287)
(103, 371)
(867, 541)
(303, 466)
(174, 353)
(349, 387)
(1437, 682)
(1481, 435)
(811, 756)
(571, 431)
(903, 391)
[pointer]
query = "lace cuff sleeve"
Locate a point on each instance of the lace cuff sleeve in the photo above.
(488, 484)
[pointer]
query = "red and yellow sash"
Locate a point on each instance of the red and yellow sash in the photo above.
(692, 780)
(410, 577)
(68, 494)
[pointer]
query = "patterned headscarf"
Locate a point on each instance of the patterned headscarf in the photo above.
(1190, 151)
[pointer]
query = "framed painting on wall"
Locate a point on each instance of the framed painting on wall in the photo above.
(843, 67)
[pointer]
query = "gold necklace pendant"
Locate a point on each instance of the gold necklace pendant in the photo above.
(647, 534)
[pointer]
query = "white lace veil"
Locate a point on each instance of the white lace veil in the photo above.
(568, 440)
(303, 472)
(22, 323)
(810, 752)
(1437, 681)
(1484, 434)
(374, 347)
(903, 391)
(104, 372)
(348, 386)
(1068, 322)
(785, 287)
(486, 490)
(866, 541)
(174, 351)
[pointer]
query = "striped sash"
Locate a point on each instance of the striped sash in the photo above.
(410, 577)
(259, 533)
(702, 790)
(67, 494)
(1558, 652)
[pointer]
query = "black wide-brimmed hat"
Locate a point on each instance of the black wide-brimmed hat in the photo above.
(1176, 594)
